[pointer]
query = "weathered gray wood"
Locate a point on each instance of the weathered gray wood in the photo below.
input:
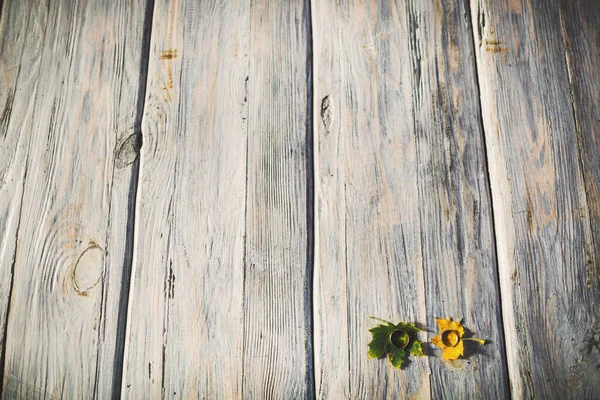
(580, 21)
(65, 128)
(219, 283)
(277, 343)
(403, 208)
(220, 300)
(547, 254)
(20, 45)
(185, 323)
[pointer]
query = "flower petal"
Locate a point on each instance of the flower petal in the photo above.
(438, 341)
(452, 353)
(448, 324)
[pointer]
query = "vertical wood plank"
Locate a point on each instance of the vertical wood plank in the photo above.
(223, 126)
(581, 33)
(368, 254)
(21, 40)
(404, 228)
(548, 258)
(185, 322)
(277, 360)
(461, 271)
(62, 324)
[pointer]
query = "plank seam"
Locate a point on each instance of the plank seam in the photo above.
(126, 287)
(245, 243)
(102, 327)
(481, 22)
(310, 205)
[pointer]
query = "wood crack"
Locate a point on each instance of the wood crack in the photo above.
(10, 293)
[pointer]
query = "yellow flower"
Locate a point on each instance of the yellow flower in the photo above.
(450, 339)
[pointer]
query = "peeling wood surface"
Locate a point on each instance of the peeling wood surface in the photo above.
(547, 254)
(404, 216)
(208, 199)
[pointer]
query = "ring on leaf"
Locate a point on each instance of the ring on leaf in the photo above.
(396, 340)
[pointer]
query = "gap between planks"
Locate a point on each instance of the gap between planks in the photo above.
(132, 206)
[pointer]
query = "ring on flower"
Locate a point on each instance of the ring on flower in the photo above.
(450, 339)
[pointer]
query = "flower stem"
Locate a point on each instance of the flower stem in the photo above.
(480, 341)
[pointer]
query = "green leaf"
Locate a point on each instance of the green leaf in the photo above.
(377, 348)
(380, 340)
(397, 357)
(392, 339)
(410, 328)
(415, 349)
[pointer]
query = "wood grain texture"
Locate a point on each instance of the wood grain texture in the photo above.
(20, 50)
(277, 342)
(69, 256)
(547, 255)
(219, 283)
(185, 322)
(216, 233)
(404, 228)
(581, 33)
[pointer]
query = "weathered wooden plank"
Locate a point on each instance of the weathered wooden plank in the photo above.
(277, 343)
(219, 287)
(75, 123)
(404, 228)
(185, 323)
(368, 257)
(581, 32)
(547, 255)
(20, 44)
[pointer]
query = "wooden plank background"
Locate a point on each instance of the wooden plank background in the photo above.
(401, 170)
(187, 279)
(79, 75)
(547, 255)
(208, 199)
(219, 283)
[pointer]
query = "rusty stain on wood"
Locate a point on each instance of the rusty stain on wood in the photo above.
(168, 54)
(494, 46)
